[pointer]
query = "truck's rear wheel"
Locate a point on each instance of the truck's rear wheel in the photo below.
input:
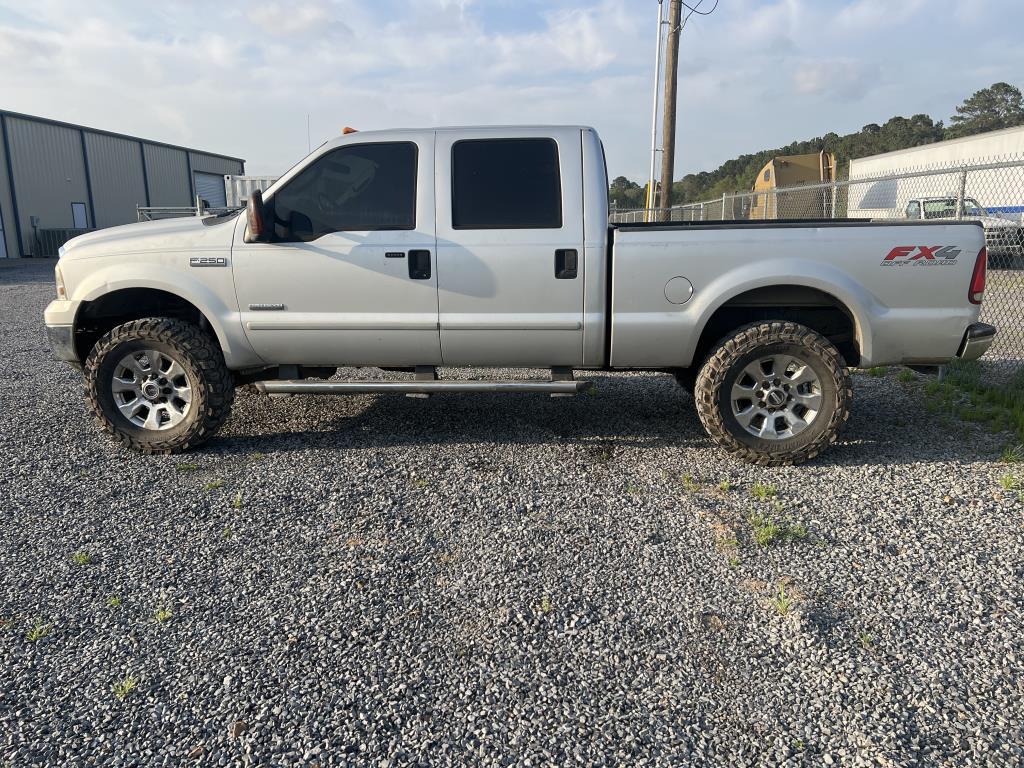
(774, 393)
(158, 385)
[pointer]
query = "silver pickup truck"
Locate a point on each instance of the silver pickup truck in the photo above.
(490, 247)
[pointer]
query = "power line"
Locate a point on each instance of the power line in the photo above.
(693, 9)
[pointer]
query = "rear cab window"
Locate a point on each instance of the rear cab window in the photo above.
(506, 184)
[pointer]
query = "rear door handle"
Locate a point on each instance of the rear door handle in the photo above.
(419, 265)
(566, 263)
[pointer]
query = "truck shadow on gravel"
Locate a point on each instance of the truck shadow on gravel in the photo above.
(888, 423)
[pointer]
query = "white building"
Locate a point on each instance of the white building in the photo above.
(999, 190)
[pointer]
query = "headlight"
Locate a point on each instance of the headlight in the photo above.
(61, 293)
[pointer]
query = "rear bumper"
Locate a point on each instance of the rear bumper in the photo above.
(977, 339)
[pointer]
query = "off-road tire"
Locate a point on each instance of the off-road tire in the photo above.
(726, 363)
(197, 352)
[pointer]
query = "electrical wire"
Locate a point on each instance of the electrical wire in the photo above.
(694, 9)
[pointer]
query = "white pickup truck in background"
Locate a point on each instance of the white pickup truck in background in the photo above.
(1004, 237)
(490, 247)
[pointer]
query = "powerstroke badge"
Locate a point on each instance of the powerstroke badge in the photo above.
(909, 255)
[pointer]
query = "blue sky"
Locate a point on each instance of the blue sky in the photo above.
(240, 78)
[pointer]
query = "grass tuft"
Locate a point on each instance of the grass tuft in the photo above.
(213, 485)
(163, 614)
(123, 687)
(187, 467)
(780, 601)
(38, 631)
(1012, 454)
(763, 491)
(113, 602)
(236, 503)
(545, 605)
(878, 372)
(81, 557)
(906, 376)
(690, 485)
(767, 530)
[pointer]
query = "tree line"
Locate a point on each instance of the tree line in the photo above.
(999, 106)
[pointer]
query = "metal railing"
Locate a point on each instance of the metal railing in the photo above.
(990, 192)
(47, 242)
(155, 213)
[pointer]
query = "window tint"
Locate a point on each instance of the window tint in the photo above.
(358, 187)
(506, 184)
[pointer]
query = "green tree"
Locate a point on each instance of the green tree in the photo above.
(998, 106)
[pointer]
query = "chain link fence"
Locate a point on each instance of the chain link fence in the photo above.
(992, 193)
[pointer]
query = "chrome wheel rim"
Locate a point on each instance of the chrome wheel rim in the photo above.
(776, 397)
(151, 389)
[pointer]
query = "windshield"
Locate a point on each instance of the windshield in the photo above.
(945, 208)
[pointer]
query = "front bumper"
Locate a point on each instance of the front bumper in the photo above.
(60, 328)
(62, 342)
(977, 339)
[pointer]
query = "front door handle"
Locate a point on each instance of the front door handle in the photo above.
(419, 265)
(566, 263)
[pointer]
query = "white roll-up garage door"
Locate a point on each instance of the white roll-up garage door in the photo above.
(210, 187)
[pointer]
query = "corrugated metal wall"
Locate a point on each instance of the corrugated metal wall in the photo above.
(10, 236)
(222, 166)
(53, 165)
(115, 170)
(167, 169)
(49, 175)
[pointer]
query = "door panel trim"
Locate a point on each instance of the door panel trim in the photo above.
(455, 325)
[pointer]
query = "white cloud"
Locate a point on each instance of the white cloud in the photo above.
(834, 78)
(239, 78)
(875, 14)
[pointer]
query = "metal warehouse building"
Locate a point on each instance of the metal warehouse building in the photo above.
(58, 179)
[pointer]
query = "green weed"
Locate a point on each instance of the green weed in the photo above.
(236, 503)
(1012, 454)
(725, 486)
(763, 491)
(780, 601)
(877, 372)
(906, 376)
(38, 631)
(187, 467)
(113, 602)
(690, 485)
(163, 614)
(123, 687)
(767, 530)
(213, 485)
(81, 558)
(545, 605)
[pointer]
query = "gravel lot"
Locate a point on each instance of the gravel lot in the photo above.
(498, 580)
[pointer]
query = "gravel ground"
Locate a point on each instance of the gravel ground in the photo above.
(498, 580)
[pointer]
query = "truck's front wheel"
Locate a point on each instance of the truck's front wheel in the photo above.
(774, 393)
(158, 385)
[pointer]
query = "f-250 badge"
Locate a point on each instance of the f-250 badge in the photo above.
(907, 255)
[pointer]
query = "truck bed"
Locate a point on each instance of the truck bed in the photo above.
(903, 283)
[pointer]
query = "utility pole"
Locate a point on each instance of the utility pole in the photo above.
(651, 200)
(668, 133)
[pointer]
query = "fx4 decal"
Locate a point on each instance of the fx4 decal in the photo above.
(907, 255)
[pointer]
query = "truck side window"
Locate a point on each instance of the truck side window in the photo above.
(355, 188)
(506, 184)
(913, 210)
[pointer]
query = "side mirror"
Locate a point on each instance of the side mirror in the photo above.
(255, 232)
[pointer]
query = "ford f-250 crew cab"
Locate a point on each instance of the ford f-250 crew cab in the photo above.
(490, 247)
